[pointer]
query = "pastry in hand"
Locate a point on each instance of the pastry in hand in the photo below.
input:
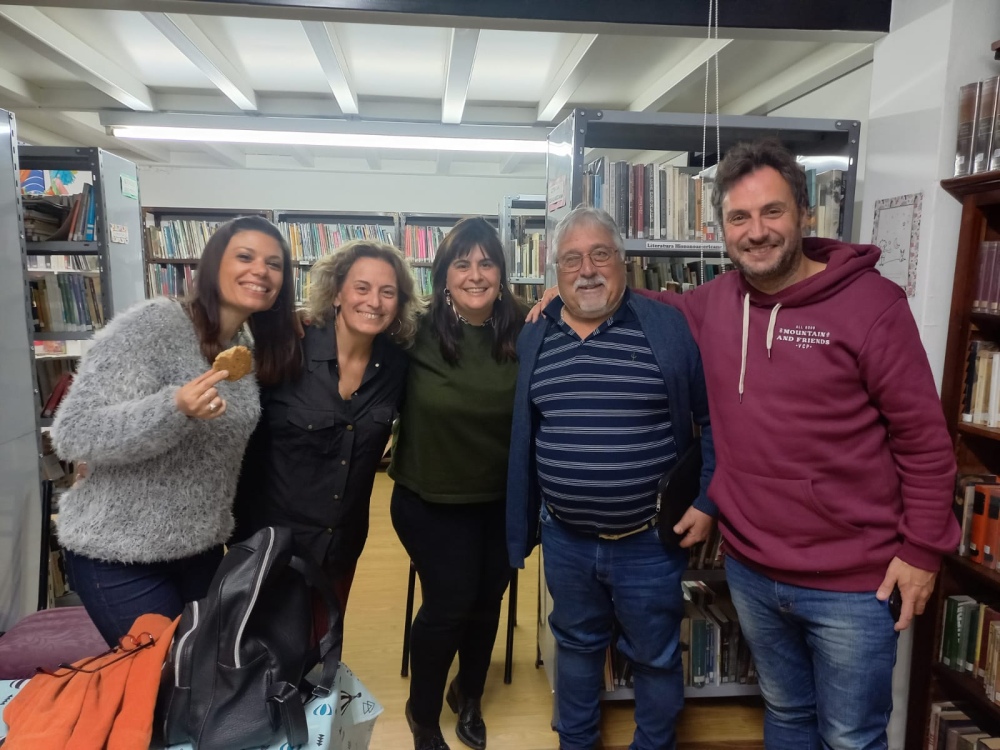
(237, 360)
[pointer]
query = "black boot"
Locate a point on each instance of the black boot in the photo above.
(470, 729)
(425, 738)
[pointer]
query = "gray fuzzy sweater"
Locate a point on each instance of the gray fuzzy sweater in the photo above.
(160, 485)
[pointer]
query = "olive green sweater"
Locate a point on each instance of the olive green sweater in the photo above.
(453, 435)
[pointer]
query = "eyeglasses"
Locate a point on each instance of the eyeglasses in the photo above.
(127, 646)
(599, 256)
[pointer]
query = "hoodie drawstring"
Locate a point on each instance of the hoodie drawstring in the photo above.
(746, 335)
(770, 327)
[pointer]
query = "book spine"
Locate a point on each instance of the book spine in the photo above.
(968, 114)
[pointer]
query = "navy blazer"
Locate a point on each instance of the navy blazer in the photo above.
(679, 361)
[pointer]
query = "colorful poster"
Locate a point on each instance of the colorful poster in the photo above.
(53, 182)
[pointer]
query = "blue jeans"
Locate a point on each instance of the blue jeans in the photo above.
(592, 582)
(115, 594)
(824, 660)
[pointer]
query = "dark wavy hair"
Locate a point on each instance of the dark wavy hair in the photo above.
(276, 345)
(466, 236)
(744, 158)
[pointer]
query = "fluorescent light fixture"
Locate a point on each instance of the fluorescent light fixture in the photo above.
(344, 140)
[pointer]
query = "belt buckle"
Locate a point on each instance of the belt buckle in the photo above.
(648, 525)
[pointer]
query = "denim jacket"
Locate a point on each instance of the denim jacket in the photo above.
(680, 363)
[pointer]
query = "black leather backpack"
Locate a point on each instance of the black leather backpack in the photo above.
(235, 674)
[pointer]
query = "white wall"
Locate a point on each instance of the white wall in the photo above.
(337, 191)
(846, 98)
(934, 47)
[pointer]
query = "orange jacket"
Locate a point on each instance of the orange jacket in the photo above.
(109, 706)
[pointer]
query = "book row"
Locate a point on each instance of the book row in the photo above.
(170, 280)
(529, 256)
(652, 201)
(42, 263)
(311, 241)
(981, 395)
(986, 295)
(671, 274)
(66, 302)
(970, 640)
(978, 145)
(713, 651)
(951, 728)
(54, 377)
(179, 238)
(662, 201)
(420, 242)
(977, 507)
(48, 218)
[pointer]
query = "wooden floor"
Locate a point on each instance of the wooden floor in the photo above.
(517, 715)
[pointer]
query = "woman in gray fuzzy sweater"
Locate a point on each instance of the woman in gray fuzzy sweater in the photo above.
(163, 434)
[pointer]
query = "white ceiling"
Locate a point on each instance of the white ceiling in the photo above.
(62, 69)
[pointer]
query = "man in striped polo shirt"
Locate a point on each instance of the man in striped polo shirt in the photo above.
(609, 388)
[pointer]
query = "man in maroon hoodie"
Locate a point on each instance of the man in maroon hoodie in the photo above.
(834, 468)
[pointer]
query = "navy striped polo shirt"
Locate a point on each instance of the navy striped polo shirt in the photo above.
(605, 437)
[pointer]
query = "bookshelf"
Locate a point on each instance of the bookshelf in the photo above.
(419, 236)
(73, 287)
(521, 224)
(173, 239)
(677, 137)
(313, 234)
(572, 178)
(977, 449)
(20, 474)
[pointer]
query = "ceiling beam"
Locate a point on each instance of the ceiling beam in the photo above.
(16, 89)
(225, 153)
(57, 44)
(303, 156)
(36, 135)
(511, 163)
(374, 160)
(194, 44)
(330, 53)
(818, 69)
(568, 78)
(667, 86)
(462, 48)
(443, 165)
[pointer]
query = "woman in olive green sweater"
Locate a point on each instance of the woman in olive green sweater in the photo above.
(450, 467)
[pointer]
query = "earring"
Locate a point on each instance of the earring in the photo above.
(500, 293)
(447, 297)
(399, 327)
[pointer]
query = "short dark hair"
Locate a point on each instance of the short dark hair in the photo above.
(464, 237)
(276, 344)
(744, 158)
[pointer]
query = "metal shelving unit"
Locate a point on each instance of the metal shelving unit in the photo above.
(20, 472)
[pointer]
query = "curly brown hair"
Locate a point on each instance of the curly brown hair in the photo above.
(326, 279)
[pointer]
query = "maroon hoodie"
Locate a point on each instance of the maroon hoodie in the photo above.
(832, 454)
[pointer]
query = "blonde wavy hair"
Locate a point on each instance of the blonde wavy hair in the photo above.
(326, 278)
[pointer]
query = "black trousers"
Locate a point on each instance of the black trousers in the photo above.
(461, 557)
